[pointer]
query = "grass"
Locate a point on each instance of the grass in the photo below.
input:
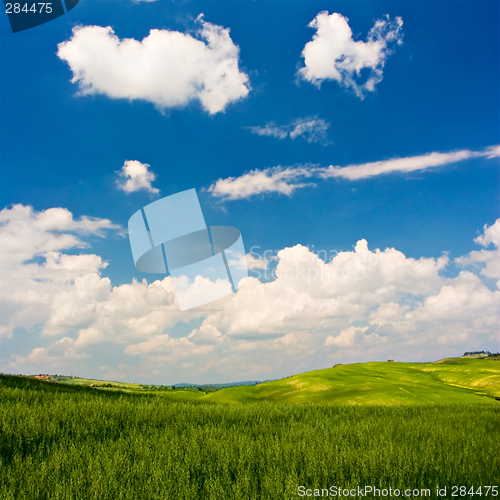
(467, 380)
(70, 442)
(452, 380)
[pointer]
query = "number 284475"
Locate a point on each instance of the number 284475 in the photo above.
(35, 8)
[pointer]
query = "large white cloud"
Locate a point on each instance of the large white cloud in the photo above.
(65, 295)
(333, 54)
(287, 180)
(32, 264)
(359, 305)
(167, 68)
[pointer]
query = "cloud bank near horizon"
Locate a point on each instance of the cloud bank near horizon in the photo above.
(362, 305)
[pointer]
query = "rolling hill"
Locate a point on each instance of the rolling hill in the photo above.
(452, 380)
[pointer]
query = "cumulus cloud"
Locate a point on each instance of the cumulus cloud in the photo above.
(282, 180)
(491, 235)
(33, 264)
(287, 180)
(346, 337)
(163, 344)
(255, 262)
(365, 304)
(312, 129)
(167, 68)
(333, 54)
(360, 305)
(136, 176)
(487, 260)
(57, 294)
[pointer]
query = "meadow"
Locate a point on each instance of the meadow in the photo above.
(450, 380)
(71, 442)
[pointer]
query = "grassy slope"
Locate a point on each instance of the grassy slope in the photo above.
(178, 394)
(453, 380)
(66, 442)
(86, 382)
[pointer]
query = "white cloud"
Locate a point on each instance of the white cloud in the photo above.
(248, 261)
(255, 263)
(271, 180)
(205, 335)
(491, 235)
(312, 129)
(135, 176)
(194, 293)
(362, 305)
(167, 68)
(346, 337)
(46, 290)
(407, 164)
(490, 258)
(33, 266)
(310, 292)
(334, 55)
(163, 344)
(403, 303)
(271, 130)
(286, 180)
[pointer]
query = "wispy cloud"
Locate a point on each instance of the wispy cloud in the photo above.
(282, 180)
(312, 129)
(286, 180)
(407, 164)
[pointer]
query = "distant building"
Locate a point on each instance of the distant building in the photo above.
(390, 361)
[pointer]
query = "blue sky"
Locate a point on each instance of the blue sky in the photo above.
(438, 93)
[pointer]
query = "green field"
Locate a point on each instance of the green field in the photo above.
(452, 380)
(71, 441)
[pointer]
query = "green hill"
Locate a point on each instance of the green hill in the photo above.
(452, 380)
